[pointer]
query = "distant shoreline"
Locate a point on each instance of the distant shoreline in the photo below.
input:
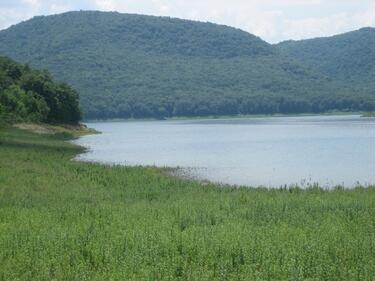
(340, 113)
(369, 115)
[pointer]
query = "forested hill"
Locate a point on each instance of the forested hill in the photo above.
(143, 66)
(348, 57)
(32, 95)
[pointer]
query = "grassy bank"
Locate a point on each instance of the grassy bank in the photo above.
(70, 131)
(65, 220)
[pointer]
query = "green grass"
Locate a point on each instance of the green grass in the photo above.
(65, 220)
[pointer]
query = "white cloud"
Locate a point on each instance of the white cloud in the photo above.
(33, 3)
(105, 5)
(273, 20)
(366, 18)
(329, 25)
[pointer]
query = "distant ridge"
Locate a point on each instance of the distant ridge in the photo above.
(127, 65)
(348, 57)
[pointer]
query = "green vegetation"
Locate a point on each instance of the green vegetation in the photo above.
(65, 220)
(369, 114)
(133, 66)
(33, 96)
(348, 58)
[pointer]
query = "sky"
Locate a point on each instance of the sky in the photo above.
(272, 20)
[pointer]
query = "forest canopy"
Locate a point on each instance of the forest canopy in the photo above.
(32, 95)
(348, 58)
(134, 66)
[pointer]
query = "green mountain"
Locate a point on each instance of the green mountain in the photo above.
(32, 95)
(348, 57)
(143, 66)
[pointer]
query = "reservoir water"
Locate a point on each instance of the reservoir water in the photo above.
(271, 152)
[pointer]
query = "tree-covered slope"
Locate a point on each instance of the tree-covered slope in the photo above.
(348, 57)
(142, 66)
(32, 95)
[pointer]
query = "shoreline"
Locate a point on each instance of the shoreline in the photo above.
(222, 117)
(72, 133)
(183, 173)
(192, 174)
(75, 131)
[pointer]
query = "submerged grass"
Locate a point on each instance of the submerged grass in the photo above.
(65, 220)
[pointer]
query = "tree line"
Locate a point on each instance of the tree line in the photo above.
(162, 107)
(33, 95)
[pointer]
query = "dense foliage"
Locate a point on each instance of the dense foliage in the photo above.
(31, 95)
(141, 66)
(349, 57)
(65, 220)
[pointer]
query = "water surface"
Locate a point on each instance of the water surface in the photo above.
(329, 150)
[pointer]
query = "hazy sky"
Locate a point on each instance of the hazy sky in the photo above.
(273, 20)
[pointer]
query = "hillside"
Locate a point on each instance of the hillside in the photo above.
(32, 95)
(348, 57)
(142, 66)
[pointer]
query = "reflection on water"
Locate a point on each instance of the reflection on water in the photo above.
(328, 150)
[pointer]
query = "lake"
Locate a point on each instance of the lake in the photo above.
(271, 152)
